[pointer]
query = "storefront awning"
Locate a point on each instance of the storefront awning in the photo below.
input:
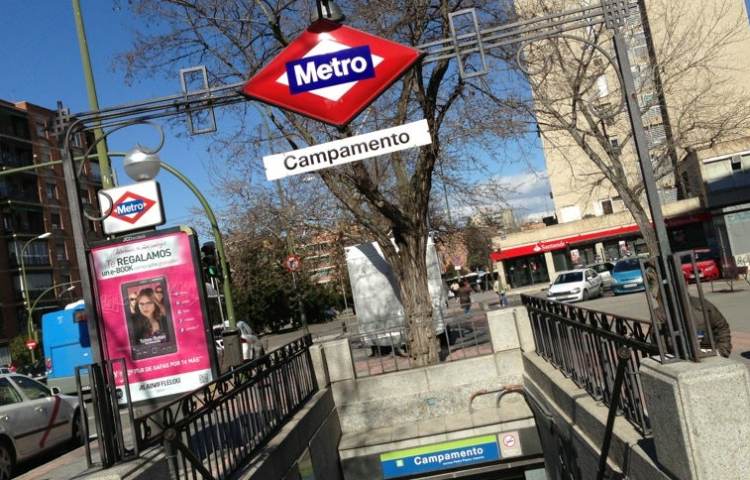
(561, 243)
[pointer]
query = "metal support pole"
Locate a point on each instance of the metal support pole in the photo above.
(109, 452)
(218, 239)
(671, 303)
(623, 354)
(101, 146)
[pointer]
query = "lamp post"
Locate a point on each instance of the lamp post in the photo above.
(25, 289)
(141, 164)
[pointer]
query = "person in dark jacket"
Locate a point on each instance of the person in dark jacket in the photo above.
(464, 296)
(718, 324)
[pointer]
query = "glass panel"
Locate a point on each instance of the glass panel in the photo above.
(31, 388)
(8, 394)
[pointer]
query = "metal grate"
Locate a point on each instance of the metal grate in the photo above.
(616, 12)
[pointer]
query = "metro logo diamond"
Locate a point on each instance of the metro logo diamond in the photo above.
(131, 207)
(331, 72)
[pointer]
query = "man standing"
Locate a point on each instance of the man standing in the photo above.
(464, 296)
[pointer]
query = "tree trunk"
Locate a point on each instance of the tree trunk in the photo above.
(410, 267)
(644, 223)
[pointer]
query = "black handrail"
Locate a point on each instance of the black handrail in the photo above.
(215, 431)
(583, 344)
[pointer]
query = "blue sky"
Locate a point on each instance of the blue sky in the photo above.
(41, 64)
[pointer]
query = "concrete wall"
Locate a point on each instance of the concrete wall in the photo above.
(315, 428)
(429, 405)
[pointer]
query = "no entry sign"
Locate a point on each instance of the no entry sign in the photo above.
(31, 344)
(331, 72)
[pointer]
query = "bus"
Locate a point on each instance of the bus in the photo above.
(65, 338)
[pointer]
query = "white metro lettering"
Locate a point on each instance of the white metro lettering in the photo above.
(319, 71)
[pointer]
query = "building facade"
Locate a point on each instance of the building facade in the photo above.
(32, 203)
(696, 136)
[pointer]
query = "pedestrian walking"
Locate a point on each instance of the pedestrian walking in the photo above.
(464, 296)
(500, 293)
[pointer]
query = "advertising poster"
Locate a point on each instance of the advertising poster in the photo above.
(152, 315)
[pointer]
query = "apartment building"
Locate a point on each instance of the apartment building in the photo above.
(695, 110)
(33, 203)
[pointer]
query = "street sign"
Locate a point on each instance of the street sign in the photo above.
(134, 207)
(31, 344)
(348, 150)
(293, 263)
(331, 72)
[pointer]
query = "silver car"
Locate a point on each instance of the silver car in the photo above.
(604, 269)
(33, 419)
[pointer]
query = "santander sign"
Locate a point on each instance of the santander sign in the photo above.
(331, 72)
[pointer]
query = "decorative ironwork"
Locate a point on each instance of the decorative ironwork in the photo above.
(583, 344)
(616, 13)
(216, 430)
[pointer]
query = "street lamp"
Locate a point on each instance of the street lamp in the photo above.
(141, 164)
(24, 285)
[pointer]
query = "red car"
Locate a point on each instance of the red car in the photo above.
(708, 267)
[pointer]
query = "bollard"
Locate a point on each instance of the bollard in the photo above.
(232, 349)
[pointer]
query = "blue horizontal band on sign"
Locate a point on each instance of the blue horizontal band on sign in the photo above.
(440, 460)
(339, 67)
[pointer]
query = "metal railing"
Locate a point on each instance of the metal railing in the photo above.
(387, 350)
(584, 344)
(214, 432)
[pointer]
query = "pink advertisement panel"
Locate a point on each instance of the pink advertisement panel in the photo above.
(151, 314)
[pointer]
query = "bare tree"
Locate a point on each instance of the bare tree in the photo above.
(689, 97)
(388, 196)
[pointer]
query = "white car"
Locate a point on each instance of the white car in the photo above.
(33, 419)
(575, 286)
(604, 270)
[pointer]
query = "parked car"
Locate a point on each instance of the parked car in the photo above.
(33, 419)
(5, 370)
(575, 285)
(627, 277)
(604, 270)
(708, 266)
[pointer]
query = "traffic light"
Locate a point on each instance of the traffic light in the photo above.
(208, 260)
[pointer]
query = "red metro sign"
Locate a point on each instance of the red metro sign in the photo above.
(331, 72)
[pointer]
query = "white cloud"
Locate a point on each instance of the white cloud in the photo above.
(526, 193)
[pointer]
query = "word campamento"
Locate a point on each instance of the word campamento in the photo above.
(442, 457)
(319, 71)
(352, 149)
(329, 156)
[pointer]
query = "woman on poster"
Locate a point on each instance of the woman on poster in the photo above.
(149, 320)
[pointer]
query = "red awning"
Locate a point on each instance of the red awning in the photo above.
(560, 244)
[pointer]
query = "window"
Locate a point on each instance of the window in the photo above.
(60, 251)
(8, 394)
(55, 221)
(602, 86)
(51, 190)
(31, 388)
(607, 207)
(614, 141)
(736, 163)
(41, 130)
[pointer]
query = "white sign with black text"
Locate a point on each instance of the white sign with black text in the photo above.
(134, 207)
(352, 149)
